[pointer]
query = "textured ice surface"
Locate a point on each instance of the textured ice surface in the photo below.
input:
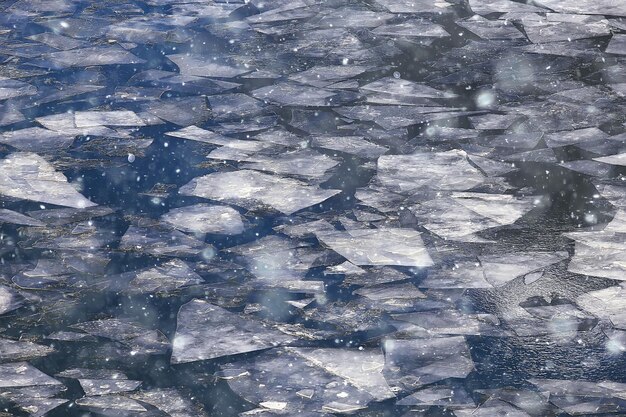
(312, 208)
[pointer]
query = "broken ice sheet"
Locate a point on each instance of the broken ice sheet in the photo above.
(395, 117)
(415, 6)
(278, 262)
(36, 139)
(236, 106)
(135, 337)
(360, 367)
(490, 270)
(200, 135)
(460, 215)
(28, 176)
(65, 124)
(107, 386)
(111, 405)
(15, 350)
(354, 145)
(9, 115)
(390, 292)
(413, 363)
(205, 331)
(608, 304)
(601, 253)
(454, 322)
(449, 170)
(84, 119)
(490, 29)
(206, 67)
(305, 385)
(494, 121)
(292, 94)
(62, 216)
(10, 216)
(619, 159)
(550, 31)
(492, 407)
(101, 381)
(170, 401)
(161, 241)
(86, 57)
(205, 218)
(581, 397)
(534, 403)
(559, 321)
(323, 76)
(306, 163)
(384, 246)
(164, 279)
(592, 168)
(485, 7)
(573, 137)
(416, 28)
(253, 190)
(14, 88)
(182, 111)
(23, 374)
(442, 396)
(617, 45)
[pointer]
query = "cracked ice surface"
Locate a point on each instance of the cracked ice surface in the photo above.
(312, 208)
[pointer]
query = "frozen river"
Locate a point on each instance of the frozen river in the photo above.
(409, 208)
